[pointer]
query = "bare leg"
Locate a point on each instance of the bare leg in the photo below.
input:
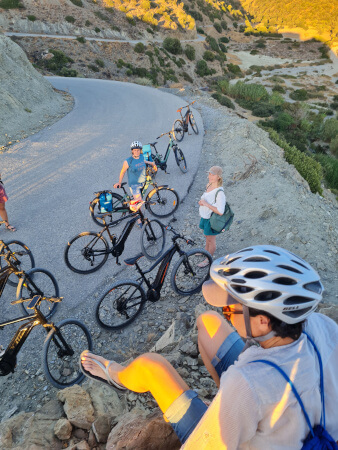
(212, 331)
(149, 372)
(3, 212)
(210, 244)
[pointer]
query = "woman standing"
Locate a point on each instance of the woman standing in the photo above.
(212, 201)
(3, 212)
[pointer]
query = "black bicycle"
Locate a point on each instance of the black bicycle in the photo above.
(88, 251)
(181, 125)
(31, 282)
(161, 161)
(124, 300)
(161, 201)
(61, 350)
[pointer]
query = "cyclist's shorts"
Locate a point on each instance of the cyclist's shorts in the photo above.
(135, 190)
(3, 195)
(187, 410)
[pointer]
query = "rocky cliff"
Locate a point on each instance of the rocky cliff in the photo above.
(27, 100)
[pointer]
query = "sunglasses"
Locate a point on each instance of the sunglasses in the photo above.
(227, 312)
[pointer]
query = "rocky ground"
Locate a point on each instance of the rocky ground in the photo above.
(272, 205)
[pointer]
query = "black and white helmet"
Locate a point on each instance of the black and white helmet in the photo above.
(270, 279)
(136, 144)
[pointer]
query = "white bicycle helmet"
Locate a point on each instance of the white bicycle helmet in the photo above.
(136, 144)
(269, 279)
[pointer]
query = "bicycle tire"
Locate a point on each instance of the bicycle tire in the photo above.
(114, 311)
(61, 369)
(178, 130)
(25, 259)
(46, 286)
(166, 201)
(193, 123)
(152, 239)
(180, 160)
(112, 219)
(186, 277)
(79, 255)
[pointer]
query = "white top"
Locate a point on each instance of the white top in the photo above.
(255, 407)
(220, 203)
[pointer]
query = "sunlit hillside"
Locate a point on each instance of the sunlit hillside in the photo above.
(317, 18)
(169, 14)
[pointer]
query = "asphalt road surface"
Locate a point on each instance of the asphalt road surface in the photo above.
(51, 176)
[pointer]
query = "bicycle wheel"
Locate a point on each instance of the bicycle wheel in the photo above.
(166, 201)
(152, 239)
(114, 218)
(193, 123)
(186, 277)
(120, 305)
(180, 160)
(23, 259)
(178, 130)
(61, 353)
(38, 282)
(86, 252)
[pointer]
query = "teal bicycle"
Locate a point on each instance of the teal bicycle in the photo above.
(161, 201)
(179, 156)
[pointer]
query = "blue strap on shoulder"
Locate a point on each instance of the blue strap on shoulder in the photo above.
(294, 390)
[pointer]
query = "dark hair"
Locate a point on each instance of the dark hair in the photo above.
(282, 329)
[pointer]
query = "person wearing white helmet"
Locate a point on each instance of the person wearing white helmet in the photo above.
(135, 166)
(269, 295)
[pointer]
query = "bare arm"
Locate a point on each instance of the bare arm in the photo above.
(213, 208)
(124, 169)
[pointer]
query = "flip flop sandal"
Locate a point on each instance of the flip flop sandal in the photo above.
(204, 263)
(109, 381)
(10, 227)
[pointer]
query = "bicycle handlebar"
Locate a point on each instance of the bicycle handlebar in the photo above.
(163, 134)
(49, 299)
(179, 236)
(187, 106)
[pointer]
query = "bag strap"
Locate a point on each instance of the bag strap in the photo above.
(294, 390)
(217, 193)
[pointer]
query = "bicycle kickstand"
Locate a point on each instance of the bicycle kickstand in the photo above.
(117, 261)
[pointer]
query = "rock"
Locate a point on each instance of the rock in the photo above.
(189, 348)
(63, 429)
(167, 338)
(77, 406)
(105, 400)
(137, 431)
(101, 428)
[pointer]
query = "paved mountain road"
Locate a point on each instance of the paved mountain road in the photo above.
(50, 177)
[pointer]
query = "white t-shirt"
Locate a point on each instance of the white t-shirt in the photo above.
(220, 203)
(255, 407)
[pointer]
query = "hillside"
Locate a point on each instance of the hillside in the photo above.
(314, 19)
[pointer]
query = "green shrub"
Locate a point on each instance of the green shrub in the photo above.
(233, 68)
(330, 169)
(131, 21)
(278, 88)
(196, 15)
(276, 99)
(139, 47)
(88, 23)
(190, 52)
(11, 4)
(299, 95)
(224, 25)
(334, 146)
(213, 43)
(208, 56)
(101, 16)
(31, 18)
(57, 62)
(330, 129)
(65, 72)
(115, 28)
(81, 39)
(263, 109)
(223, 39)
(120, 63)
(202, 69)
(99, 62)
(70, 19)
(172, 45)
(254, 52)
(200, 30)
(93, 68)
(260, 45)
(77, 3)
(187, 77)
(218, 27)
(149, 30)
(308, 168)
(97, 29)
(223, 100)
(235, 24)
(223, 47)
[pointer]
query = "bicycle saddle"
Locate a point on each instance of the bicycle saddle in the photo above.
(153, 143)
(132, 261)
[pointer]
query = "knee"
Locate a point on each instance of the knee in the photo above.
(210, 321)
(149, 361)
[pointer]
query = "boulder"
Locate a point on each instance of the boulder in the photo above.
(63, 429)
(77, 406)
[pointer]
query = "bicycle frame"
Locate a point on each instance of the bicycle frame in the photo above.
(8, 359)
(163, 162)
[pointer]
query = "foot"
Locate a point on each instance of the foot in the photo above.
(10, 227)
(204, 263)
(102, 368)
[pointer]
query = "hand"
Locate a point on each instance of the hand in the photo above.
(203, 202)
(117, 185)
